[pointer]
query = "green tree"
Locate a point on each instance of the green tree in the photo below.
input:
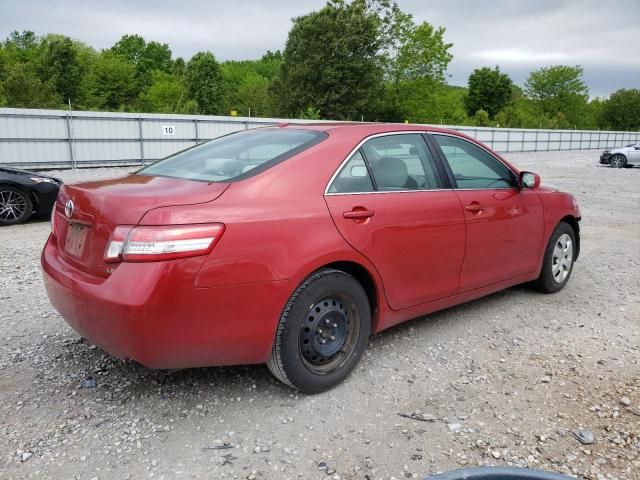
(204, 83)
(61, 64)
(489, 91)
(21, 46)
(423, 54)
(245, 89)
(621, 111)
(415, 59)
(22, 88)
(331, 61)
(559, 92)
(146, 57)
(163, 96)
(111, 82)
(131, 47)
(269, 65)
(178, 67)
(481, 118)
(310, 114)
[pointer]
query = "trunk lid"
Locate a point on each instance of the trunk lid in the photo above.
(83, 230)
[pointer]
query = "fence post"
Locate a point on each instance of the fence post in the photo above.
(141, 141)
(581, 132)
(548, 140)
(493, 136)
(508, 139)
(70, 141)
(535, 148)
(195, 124)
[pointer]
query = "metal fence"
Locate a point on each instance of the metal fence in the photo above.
(58, 138)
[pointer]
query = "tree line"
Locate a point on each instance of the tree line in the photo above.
(350, 60)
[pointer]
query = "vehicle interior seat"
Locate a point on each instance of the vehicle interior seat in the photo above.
(392, 174)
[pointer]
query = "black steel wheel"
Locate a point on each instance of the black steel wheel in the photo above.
(15, 205)
(323, 332)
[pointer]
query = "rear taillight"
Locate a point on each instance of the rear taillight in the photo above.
(116, 243)
(153, 244)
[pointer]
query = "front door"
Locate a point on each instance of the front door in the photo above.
(390, 204)
(505, 224)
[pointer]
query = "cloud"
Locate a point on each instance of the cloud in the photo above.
(515, 55)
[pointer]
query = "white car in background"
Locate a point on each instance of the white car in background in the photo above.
(622, 157)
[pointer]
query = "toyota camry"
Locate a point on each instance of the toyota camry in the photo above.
(290, 245)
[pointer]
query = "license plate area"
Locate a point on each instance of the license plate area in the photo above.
(75, 239)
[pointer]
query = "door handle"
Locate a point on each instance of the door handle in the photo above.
(474, 207)
(359, 214)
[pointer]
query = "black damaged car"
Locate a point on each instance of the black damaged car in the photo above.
(24, 194)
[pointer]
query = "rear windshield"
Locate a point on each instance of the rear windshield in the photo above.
(235, 156)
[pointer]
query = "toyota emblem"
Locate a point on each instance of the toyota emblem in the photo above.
(68, 208)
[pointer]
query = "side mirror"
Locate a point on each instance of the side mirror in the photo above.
(529, 180)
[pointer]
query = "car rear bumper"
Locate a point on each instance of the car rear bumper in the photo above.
(153, 313)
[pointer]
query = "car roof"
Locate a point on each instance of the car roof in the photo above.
(364, 128)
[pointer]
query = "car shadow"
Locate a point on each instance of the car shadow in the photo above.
(84, 364)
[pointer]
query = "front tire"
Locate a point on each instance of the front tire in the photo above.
(618, 161)
(323, 332)
(558, 261)
(15, 206)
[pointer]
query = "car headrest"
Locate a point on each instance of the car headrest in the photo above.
(390, 172)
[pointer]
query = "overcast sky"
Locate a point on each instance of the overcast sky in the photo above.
(519, 36)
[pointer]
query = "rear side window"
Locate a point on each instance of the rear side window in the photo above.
(397, 162)
(401, 162)
(353, 178)
(472, 166)
(235, 156)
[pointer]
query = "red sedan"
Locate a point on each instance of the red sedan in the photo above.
(290, 245)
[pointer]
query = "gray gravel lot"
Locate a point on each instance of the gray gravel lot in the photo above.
(503, 380)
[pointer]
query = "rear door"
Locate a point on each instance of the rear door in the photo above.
(505, 224)
(392, 203)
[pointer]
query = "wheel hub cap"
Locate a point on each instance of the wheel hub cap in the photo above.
(562, 258)
(12, 205)
(325, 331)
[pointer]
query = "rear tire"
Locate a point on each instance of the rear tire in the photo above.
(558, 261)
(323, 332)
(618, 161)
(15, 206)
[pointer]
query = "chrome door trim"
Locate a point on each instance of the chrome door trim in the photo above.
(411, 132)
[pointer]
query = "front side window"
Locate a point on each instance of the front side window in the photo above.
(234, 156)
(472, 166)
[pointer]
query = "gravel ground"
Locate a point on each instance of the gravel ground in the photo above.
(504, 380)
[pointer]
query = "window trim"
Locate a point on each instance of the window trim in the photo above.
(422, 133)
(447, 167)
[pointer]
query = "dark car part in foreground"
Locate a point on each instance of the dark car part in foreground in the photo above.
(497, 473)
(24, 194)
